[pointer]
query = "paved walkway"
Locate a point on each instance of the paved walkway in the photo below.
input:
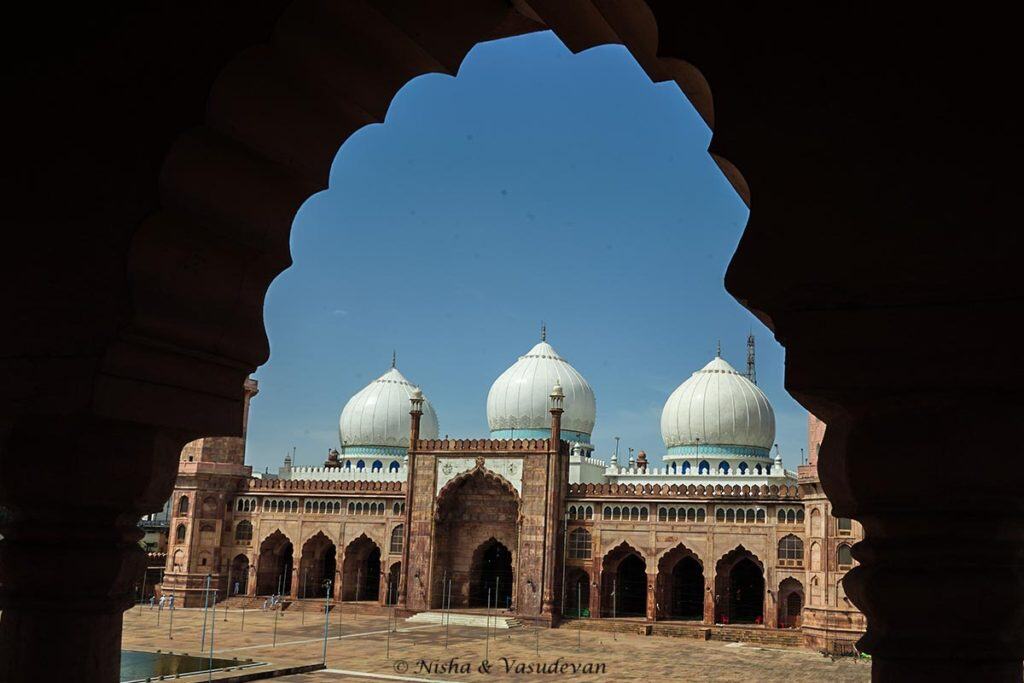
(358, 650)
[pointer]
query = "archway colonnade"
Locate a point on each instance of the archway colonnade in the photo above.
(359, 572)
(678, 585)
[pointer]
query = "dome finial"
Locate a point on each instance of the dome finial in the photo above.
(543, 331)
(393, 357)
(718, 352)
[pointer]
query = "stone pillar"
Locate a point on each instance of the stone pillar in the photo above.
(771, 606)
(294, 593)
(595, 595)
(70, 554)
(709, 600)
(954, 619)
(652, 597)
(250, 588)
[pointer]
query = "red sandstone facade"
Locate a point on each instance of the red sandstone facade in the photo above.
(495, 522)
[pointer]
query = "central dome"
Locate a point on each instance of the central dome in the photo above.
(517, 404)
(376, 420)
(718, 410)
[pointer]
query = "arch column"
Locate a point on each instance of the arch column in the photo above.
(42, 609)
(250, 588)
(652, 595)
(709, 599)
(771, 605)
(294, 592)
(595, 593)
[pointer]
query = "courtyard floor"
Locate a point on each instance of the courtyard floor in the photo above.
(358, 650)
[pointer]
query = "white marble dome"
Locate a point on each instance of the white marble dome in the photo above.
(721, 408)
(518, 402)
(376, 420)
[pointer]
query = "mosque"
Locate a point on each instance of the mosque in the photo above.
(721, 540)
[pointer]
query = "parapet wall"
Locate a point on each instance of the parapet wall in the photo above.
(485, 445)
(303, 485)
(683, 490)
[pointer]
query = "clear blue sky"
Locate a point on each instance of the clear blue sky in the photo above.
(537, 185)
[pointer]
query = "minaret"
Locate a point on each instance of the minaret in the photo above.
(751, 370)
(557, 397)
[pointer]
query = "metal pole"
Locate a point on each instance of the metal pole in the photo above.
(225, 609)
(579, 616)
(448, 614)
(359, 584)
(159, 609)
(276, 612)
(327, 617)
(243, 617)
(213, 622)
(487, 628)
(170, 627)
(206, 609)
(565, 554)
(387, 650)
(142, 598)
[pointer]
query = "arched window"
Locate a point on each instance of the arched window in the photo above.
(790, 517)
(309, 506)
(662, 515)
(758, 469)
(844, 557)
(750, 516)
(799, 516)
(397, 539)
(723, 467)
(183, 505)
(377, 466)
(791, 551)
(243, 532)
(348, 464)
(179, 533)
(572, 512)
(607, 514)
(634, 514)
(394, 466)
(760, 517)
(782, 516)
(673, 466)
(617, 513)
(671, 514)
(691, 515)
(743, 468)
(730, 515)
(643, 514)
(590, 512)
(844, 525)
(360, 465)
(337, 508)
(579, 544)
(686, 467)
(238, 505)
(701, 515)
(323, 507)
(719, 515)
(704, 467)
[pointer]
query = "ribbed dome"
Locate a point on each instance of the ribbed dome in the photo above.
(517, 404)
(378, 416)
(720, 407)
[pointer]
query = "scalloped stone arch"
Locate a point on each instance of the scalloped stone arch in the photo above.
(456, 483)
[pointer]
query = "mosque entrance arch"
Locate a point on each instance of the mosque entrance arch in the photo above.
(577, 593)
(491, 576)
(476, 541)
(681, 585)
(318, 565)
(739, 588)
(274, 566)
(361, 570)
(624, 583)
(239, 582)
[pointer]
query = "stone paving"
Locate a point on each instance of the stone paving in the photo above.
(358, 650)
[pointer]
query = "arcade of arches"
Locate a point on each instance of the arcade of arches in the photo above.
(361, 572)
(852, 277)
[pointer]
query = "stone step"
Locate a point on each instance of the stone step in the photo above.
(463, 619)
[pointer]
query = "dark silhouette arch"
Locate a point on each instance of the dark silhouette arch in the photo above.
(274, 565)
(624, 582)
(491, 576)
(739, 588)
(680, 587)
(317, 565)
(361, 570)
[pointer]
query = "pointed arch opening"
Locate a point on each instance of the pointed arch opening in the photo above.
(360, 579)
(317, 566)
(274, 565)
(739, 588)
(680, 587)
(624, 583)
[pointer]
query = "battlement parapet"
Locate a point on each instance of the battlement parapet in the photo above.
(774, 491)
(315, 485)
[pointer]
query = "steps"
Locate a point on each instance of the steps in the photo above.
(496, 621)
(731, 634)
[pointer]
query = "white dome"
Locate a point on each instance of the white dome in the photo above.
(518, 402)
(376, 420)
(718, 407)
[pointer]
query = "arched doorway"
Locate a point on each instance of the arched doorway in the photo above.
(476, 510)
(274, 566)
(394, 575)
(239, 582)
(791, 603)
(577, 593)
(317, 566)
(361, 570)
(624, 583)
(739, 588)
(681, 585)
(490, 576)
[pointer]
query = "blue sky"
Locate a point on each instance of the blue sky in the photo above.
(535, 186)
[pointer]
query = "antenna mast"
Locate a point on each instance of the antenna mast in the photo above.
(751, 369)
